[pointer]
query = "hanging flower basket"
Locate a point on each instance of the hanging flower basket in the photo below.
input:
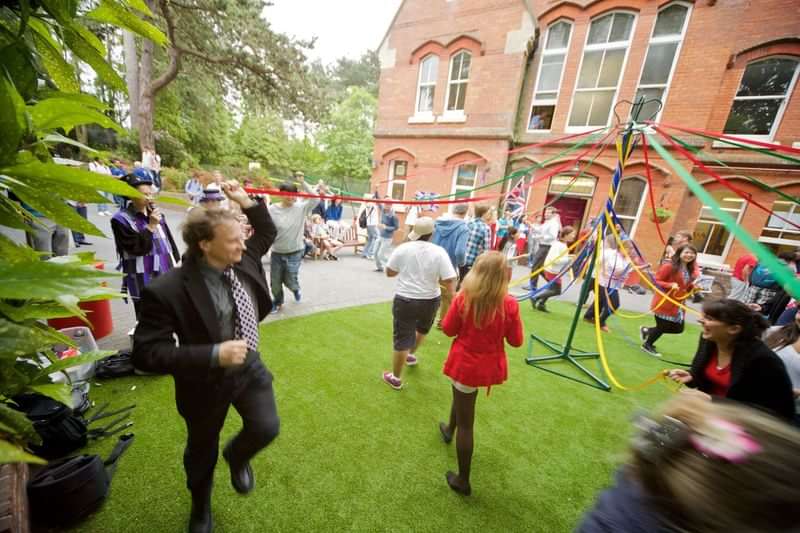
(661, 215)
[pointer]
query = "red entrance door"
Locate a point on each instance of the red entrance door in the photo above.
(571, 210)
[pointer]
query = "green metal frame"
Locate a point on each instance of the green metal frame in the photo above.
(565, 352)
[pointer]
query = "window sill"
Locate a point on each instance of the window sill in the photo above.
(539, 132)
(422, 119)
(759, 138)
(452, 118)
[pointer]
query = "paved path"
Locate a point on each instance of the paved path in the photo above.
(326, 285)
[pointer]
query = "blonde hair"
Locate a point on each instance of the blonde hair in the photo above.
(701, 494)
(485, 287)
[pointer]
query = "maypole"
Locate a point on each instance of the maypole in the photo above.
(566, 352)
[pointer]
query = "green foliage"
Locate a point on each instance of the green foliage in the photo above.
(261, 138)
(34, 38)
(347, 136)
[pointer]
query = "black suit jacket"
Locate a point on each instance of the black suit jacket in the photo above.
(179, 303)
(758, 377)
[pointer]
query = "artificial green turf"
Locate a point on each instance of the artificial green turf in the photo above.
(355, 455)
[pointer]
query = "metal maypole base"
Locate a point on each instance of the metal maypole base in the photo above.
(566, 354)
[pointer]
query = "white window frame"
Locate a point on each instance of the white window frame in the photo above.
(426, 114)
(679, 38)
(715, 260)
(638, 215)
(456, 114)
(392, 180)
(454, 188)
(793, 209)
(786, 97)
(602, 46)
(546, 52)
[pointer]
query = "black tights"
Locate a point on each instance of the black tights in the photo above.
(662, 326)
(462, 417)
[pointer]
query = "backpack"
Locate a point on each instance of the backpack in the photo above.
(762, 277)
(114, 366)
(66, 491)
(362, 218)
(63, 430)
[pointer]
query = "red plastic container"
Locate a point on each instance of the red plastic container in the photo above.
(98, 314)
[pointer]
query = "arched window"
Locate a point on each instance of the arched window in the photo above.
(759, 103)
(778, 234)
(551, 68)
(628, 203)
(464, 178)
(662, 55)
(710, 236)
(426, 86)
(601, 69)
(457, 84)
(398, 169)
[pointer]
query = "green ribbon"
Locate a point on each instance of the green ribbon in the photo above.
(783, 274)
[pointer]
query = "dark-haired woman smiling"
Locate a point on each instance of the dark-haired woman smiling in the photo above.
(733, 363)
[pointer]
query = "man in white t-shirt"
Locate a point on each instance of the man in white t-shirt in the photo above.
(420, 266)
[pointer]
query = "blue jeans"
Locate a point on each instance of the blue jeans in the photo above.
(372, 241)
(283, 270)
(382, 251)
(77, 236)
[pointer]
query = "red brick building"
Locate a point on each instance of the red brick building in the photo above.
(466, 84)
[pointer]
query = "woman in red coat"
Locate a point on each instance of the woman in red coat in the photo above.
(481, 317)
(676, 280)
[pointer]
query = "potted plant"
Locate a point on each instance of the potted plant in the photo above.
(661, 215)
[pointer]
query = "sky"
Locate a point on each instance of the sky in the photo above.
(342, 27)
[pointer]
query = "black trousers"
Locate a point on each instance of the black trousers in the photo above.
(662, 326)
(204, 408)
(537, 261)
(609, 302)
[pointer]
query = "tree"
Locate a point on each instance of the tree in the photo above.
(346, 138)
(229, 40)
(261, 138)
(35, 39)
(363, 73)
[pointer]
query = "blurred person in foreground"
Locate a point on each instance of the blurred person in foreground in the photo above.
(704, 467)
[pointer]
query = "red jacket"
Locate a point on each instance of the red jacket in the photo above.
(477, 357)
(665, 277)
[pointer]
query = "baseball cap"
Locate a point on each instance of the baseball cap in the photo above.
(424, 226)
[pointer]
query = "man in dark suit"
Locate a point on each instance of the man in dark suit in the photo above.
(213, 303)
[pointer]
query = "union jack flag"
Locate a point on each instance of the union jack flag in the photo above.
(515, 199)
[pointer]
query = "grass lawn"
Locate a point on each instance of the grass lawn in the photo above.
(355, 455)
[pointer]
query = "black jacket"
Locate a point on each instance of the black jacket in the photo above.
(179, 303)
(758, 377)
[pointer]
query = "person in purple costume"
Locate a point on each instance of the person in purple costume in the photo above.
(144, 243)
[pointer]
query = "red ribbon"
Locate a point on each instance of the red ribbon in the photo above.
(769, 146)
(747, 196)
(650, 189)
(276, 192)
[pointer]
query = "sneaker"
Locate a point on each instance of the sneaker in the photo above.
(541, 307)
(275, 309)
(643, 331)
(379, 269)
(604, 328)
(651, 350)
(296, 295)
(392, 381)
(411, 360)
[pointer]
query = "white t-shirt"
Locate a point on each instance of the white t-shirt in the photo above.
(420, 265)
(613, 269)
(556, 249)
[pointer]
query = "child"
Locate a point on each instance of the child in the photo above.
(508, 244)
(480, 318)
(556, 262)
(323, 240)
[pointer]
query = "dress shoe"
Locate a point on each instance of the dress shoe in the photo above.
(242, 477)
(200, 520)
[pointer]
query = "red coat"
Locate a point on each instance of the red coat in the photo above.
(477, 357)
(665, 277)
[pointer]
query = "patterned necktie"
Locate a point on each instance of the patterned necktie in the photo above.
(246, 320)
